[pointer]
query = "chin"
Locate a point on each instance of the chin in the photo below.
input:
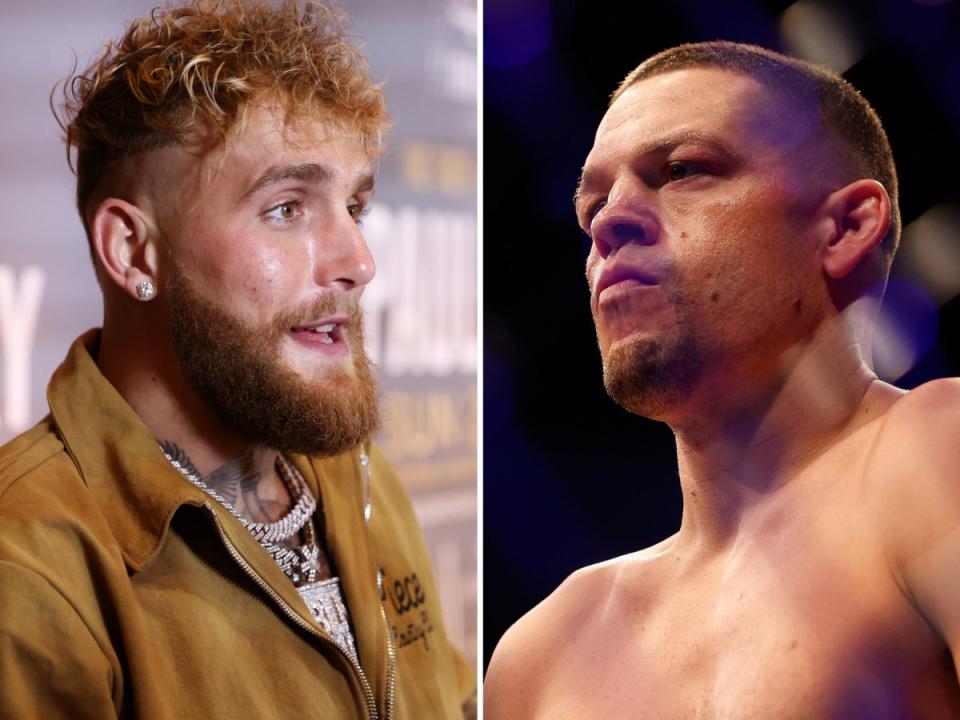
(324, 370)
(650, 376)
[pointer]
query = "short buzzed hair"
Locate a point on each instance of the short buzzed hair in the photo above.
(840, 106)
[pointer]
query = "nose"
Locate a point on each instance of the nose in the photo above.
(628, 217)
(341, 254)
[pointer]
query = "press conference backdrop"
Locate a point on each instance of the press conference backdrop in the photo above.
(421, 308)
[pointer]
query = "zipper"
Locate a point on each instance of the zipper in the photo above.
(292, 614)
(367, 489)
(391, 668)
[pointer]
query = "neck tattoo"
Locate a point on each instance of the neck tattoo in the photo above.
(286, 532)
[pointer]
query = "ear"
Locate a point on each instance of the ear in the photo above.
(125, 246)
(858, 218)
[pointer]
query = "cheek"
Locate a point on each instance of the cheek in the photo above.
(245, 275)
(743, 250)
(744, 290)
(266, 274)
(714, 282)
(264, 283)
(711, 256)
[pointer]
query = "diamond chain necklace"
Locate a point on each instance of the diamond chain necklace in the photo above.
(298, 563)
(323, 598)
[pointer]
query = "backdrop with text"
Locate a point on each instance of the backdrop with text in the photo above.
(422, 231)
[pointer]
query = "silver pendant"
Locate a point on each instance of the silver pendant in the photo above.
(327, 606)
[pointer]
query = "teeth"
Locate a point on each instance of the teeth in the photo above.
(321, 331)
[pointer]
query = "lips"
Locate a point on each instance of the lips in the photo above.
(622, 275)
(322, 330)
(325, 331)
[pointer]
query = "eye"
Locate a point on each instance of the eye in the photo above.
(358, 211)
(679, 171)
(284, 212)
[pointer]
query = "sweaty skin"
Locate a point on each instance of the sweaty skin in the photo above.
(816, 573)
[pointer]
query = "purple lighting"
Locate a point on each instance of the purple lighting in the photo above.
(515, 33)
(906, 329)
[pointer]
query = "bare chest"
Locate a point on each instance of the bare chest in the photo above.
(789, 631)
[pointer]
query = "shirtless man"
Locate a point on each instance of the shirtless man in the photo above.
(742, 208)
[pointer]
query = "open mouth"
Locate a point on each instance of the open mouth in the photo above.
(323, 332)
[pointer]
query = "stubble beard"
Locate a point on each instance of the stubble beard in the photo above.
(237, 370)
(649, 376)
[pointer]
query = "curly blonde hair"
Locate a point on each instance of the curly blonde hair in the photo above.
(188, 73)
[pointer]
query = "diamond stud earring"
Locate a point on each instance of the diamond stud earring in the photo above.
(145, 290)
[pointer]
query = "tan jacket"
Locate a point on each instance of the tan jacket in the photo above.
(127, 592)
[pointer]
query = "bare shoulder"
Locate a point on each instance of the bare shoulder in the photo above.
(920, 433)
(914, 468)
(933, 396)
(524, 659)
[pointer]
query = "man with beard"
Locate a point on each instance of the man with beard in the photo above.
(742, 209)
(200, 527)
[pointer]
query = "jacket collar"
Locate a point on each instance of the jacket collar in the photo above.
(117, 456)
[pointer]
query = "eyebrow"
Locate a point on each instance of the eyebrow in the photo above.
(312, 173)
(661, 146)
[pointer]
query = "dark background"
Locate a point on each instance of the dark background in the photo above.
(569, 478)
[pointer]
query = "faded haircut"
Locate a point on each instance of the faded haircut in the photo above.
(187, 74)
(841, 107)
